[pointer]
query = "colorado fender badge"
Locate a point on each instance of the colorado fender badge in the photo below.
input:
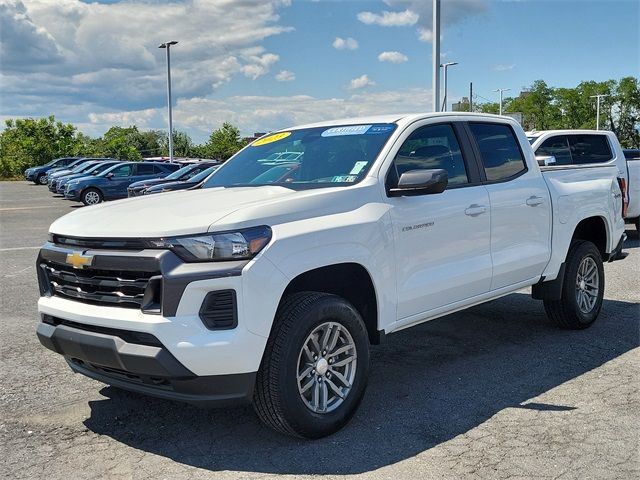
(78, 260)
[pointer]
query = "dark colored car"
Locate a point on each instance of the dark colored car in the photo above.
(67, 169)
(94, 169)
(183, 185)
(183, 174)
(38, 175)
(631, 153)
(112, 183)
(81, 167)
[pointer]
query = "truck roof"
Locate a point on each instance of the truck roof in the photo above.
(538, 133)
(400, 118)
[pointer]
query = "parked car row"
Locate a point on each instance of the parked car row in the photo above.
(92, 180)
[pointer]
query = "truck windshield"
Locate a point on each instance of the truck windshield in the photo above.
(306, 158)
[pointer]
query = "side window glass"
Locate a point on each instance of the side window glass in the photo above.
(433, 147)
(499, 149)
(144, 169)
(589, 149)
(122, 171)
(557, 146)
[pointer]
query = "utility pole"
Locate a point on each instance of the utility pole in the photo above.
(501, 90)
(471, 96)
(167, 46)
(436, 55)
(446, 67)
(598, 97)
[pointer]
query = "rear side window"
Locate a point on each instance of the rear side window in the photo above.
(558, 146)
(589, 149)
(122, 171)
(431, 147)
(499, 149)
(144, 169)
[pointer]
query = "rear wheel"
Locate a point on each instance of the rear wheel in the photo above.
(315, 367)
(91, 196)
(41, 179)
(582, 290)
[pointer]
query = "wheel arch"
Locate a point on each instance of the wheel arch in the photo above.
(593, 229)
(351, 281)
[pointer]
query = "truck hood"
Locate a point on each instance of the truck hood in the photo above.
(168, 214)
(211, 209)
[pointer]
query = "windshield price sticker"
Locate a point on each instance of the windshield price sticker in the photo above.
(378, 129)
(348, 130)
(270, 139)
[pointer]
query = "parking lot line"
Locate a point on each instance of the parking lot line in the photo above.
(27, 208)
(19, 248)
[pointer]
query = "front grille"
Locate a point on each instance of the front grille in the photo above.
(101, 243)
(99, 287)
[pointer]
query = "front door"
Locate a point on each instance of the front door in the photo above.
(442, 240)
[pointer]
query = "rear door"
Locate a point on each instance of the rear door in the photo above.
(441, 240)
(520, 205)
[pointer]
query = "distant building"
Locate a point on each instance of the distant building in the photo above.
(255, 136)
(461, 106)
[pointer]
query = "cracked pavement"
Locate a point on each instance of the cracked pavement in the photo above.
(495, 391)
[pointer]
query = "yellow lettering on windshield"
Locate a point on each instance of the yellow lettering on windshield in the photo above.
(270, 139)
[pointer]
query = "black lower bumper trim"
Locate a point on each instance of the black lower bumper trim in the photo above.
(147, 369)
(617, 253)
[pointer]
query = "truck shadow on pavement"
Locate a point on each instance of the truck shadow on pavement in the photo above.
(427, 385)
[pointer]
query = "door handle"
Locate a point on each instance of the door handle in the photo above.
(534, 201)
(474, 210)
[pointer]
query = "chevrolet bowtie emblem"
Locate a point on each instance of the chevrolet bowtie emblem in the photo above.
(78, 260)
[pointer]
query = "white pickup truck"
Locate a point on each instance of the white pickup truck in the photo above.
(270, 283)
(589, 149)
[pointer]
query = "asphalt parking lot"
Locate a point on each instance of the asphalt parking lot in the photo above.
(492, 392)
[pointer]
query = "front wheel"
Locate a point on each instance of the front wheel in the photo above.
(41, 179)
(315, 366)
(91, 196)
(582, 290)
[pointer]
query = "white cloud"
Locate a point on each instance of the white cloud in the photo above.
(285, 76)
(256, 113)
(54, 53)
(393, 57)
(345, 43)
(503, 68)
(259, 65)
(389, 19)
(360, 82)
(424, 34)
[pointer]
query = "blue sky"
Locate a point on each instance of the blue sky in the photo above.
(267, 64)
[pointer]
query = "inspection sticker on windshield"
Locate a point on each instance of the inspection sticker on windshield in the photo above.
(348, 130)
(357, 168)
(270, 139)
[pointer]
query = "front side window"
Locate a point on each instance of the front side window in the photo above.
(499, 149)
(121, 171)
(589, 149)
(312, 157)
(432, 147)
(557, 146)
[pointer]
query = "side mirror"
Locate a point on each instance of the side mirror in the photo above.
(420, 182)
(546, 160)
(109, 175)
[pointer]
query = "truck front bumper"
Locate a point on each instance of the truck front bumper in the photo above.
(140, 363)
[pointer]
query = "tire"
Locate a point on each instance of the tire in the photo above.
(41, 179)
(91, 196)
(637, 224)
(278, 398)
(580, 304)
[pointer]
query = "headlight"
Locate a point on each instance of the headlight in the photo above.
(73, 182)
(239, 245)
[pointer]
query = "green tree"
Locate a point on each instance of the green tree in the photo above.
(121, 143)
(223, 143)
(28, 142)
(182, 144)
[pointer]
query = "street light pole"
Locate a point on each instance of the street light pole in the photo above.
(501, 90)
(446, 66)
(436, 55)
(167, 46)
(598, 97)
